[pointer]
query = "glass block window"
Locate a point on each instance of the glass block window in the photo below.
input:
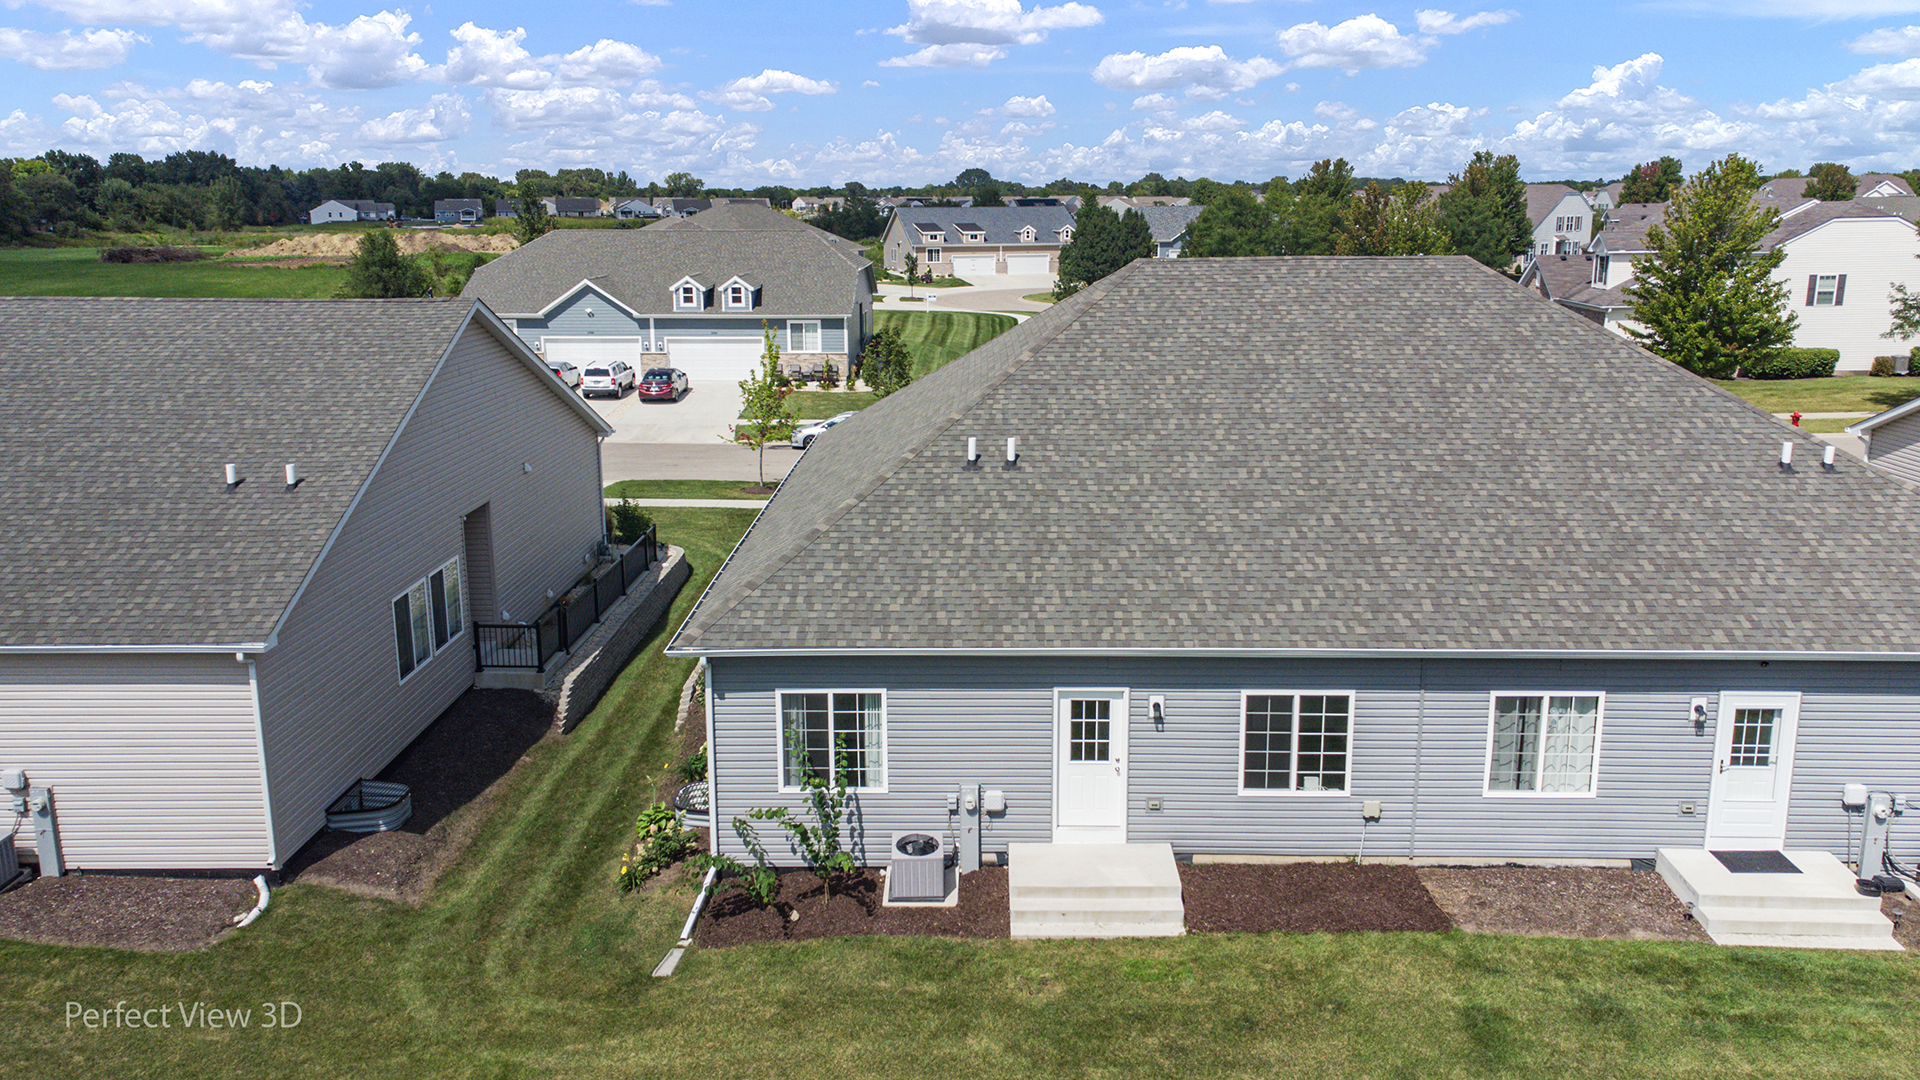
(1295, 742)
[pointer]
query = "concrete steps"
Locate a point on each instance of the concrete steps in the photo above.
(1817, 908)
(1094, 891)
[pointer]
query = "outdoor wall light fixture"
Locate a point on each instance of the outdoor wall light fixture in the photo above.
(1157, 709)
(1698, 714)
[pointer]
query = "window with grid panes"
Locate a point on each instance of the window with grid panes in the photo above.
(1296, 742)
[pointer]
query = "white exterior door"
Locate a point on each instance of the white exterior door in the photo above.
(586, 352)
(970, 266)
(1090, 785)
(1753, 771)
(1032, 262)
(715, 358)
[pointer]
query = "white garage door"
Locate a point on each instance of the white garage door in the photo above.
(715, 358)
(586, 352)
(1034, 263)
(972, 266)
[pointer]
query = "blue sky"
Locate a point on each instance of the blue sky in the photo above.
(909, 91)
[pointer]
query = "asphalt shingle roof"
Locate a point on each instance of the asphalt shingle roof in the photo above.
(1819, 213)
(1168, 222)
(119, 418)
(1357, 454)
(1002, 224)
(1627, 225)
(803, 270)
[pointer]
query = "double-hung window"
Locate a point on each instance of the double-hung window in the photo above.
(803, 337)
(824, 732)
(933, 255)
(428, 617)
(1826, 290)
(1543, 744)
(1295, 743)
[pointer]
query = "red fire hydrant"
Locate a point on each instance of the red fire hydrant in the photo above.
(1796, 419)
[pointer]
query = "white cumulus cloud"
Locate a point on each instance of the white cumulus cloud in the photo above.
(1365, 41)
(1029, 108)
(87, 50)
(748, 94)
(1206, 71)
(974, 32)
(1446, 22)
(946, 56)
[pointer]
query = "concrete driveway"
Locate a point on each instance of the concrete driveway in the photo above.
(702, 417)
(998, 293)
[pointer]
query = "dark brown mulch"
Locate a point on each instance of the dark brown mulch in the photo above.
(124, 911)
(1905, 914)
(454, 770)
(1305, 898)
(733, 919)
(1585, 902)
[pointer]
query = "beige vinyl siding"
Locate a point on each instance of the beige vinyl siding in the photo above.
(333, 705)
(1874, 253)
(1895, 447)
(1419, 745)
(153, 759)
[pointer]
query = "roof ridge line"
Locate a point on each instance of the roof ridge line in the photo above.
(1093, 292)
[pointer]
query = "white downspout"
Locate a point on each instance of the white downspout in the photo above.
(260, 742)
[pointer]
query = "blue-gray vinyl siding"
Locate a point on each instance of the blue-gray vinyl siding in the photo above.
(571, 319)
(1419, 745)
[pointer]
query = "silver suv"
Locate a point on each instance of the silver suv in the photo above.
(613, 379)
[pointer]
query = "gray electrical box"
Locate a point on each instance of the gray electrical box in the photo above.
(13, 779)
(970, 815)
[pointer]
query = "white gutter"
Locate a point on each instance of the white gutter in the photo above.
(1331, 654)
(240, 647)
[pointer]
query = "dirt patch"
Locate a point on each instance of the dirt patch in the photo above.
(1585, 902)
(1306, 898)
(1905, 913)
(733, 919)
(125, 911)
(456, 769)
(341, 245)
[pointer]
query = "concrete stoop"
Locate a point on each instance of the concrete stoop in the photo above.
(1094, 891)
(1818, 908)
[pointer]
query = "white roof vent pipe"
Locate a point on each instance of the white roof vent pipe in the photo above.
(1786, 457)
(233, 475)
(293, 476)
(1013, 450)
(1826, 456)
(973, 450)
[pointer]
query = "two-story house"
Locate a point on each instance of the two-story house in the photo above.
(973, 242)
(692, 293)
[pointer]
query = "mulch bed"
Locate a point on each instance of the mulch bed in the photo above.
(124, 911)
(1905, 913)
(1306, 898)
(1583, 902)
(454, 769)
(733, 919)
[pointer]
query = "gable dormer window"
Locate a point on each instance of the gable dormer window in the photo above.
(689, 297)
(1027, 234)
(1066, 234)
(736, 296)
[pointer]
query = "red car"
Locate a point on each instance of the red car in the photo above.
(663, 384)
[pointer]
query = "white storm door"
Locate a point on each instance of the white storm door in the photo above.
(1753, 771)
(1091, 751)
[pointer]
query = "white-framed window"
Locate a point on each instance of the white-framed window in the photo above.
(429, 616)
(1543, 744)
(737, 296)
(1602, 266)
(1027, 234)
(686, 297)
(933, 255)
(1066, 235)
(1296, 743)
(823, 730)
(1825, 291)
(975, 238)
(803, 336)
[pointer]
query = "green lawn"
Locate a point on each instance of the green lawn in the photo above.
(1842, 393)
(1039, 297)
(935, 337)
(527, 962)
(79, 272)
(680, 489)
(820, 404)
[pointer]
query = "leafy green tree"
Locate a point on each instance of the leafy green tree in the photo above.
(227, 206)
(1831, 182)
(913, 271)
(1656, 181)
(858, 219)
(1485, 210)
(988, 194)
(14, 219)
(885, 364)
(1706, 294)
(1102, 243)
(1231, 225)
(1404, 221)
(379, 270)
(764, 415)
(533, 221)
(1321, 202)
(683, 185)
(972, 178)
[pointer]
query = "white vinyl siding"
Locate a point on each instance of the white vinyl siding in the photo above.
(823, 732)
(1543, 744)
(154, 760)
(1863, 257)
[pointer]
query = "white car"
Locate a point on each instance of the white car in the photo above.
(565, 372)
(613, 379)
(803, 437)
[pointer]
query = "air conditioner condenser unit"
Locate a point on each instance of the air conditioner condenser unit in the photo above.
(917, 869)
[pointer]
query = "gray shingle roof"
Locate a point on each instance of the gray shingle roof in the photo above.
(1542, 198)
(1001, 223)
(803, 270)
(1168, 222)
(1359, 454)
(120, 416)
(1819, 213)
(1627, 225)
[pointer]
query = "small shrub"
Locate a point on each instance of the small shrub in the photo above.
(1883, 365)
(694, 769)
(664, 840)
(163, 253)
(1913, 361)
(1793, 364)
(627, 521)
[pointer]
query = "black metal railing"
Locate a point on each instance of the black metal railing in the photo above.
(528, 646)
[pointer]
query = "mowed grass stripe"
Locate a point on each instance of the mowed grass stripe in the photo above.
(936, 337)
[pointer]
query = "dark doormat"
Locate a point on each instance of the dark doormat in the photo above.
(1756, 862)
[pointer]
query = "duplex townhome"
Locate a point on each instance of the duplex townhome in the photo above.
(1591, 279)
(692, 293)
(978, 242)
